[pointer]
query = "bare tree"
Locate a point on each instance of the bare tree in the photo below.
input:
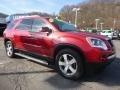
(105, 10)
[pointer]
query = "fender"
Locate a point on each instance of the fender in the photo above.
(61, 46)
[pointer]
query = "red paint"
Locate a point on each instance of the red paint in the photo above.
(43, 44)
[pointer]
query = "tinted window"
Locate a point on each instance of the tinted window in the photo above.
(109, 31)
(37, 25)
(25, 24)
(11, 25)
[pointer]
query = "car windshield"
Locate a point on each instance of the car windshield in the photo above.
(63, 26)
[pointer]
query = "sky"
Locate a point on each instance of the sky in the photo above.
(24, 6)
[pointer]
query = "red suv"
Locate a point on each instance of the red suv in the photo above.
(58, 43)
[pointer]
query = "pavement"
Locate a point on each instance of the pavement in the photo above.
(21, 74)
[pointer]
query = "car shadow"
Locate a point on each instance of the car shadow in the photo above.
(109, 77)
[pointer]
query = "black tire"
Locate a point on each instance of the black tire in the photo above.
(78, 65)
(8, 44)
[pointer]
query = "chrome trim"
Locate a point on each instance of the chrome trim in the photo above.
(32, 58)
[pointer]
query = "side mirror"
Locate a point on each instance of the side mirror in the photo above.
(47, 30)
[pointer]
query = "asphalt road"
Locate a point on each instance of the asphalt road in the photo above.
(21, 74)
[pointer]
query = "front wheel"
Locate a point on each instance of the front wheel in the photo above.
(69, 64)
(9, 49)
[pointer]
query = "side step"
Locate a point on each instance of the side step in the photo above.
(32, 58)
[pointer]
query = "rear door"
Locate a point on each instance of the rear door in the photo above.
(22, 34)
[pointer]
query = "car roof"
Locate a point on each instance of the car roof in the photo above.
(32, 16)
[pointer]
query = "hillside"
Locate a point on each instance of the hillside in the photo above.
(108, 11)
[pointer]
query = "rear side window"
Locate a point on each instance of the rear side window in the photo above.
(11, 25)
(25, 24)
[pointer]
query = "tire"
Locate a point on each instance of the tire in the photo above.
(69, 64)
(9, 49)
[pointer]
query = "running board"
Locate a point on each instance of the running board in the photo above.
(32, 58)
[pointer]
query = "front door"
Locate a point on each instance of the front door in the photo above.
(42, 41)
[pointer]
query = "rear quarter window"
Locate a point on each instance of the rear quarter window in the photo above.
(11, 25)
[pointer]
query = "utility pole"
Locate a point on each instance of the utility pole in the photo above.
(114, 23)
(84, 24)
(76, 15)
(97, 20)
(101, 26)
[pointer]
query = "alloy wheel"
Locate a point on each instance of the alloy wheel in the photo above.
(68, 64)
(9, 49)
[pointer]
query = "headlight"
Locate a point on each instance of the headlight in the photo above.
(95, 42)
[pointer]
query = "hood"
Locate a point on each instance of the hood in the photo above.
(86, 34)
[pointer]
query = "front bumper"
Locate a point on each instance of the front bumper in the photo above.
(111, 57)
(108, 60)
(104, 63)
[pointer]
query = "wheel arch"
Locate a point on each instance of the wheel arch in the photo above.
(69, 46)
(7, 39)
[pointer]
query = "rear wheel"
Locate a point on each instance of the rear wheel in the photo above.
(69, 64)
(9, 49)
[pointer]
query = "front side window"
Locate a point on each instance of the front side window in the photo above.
(25, 24)
(37, 25)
